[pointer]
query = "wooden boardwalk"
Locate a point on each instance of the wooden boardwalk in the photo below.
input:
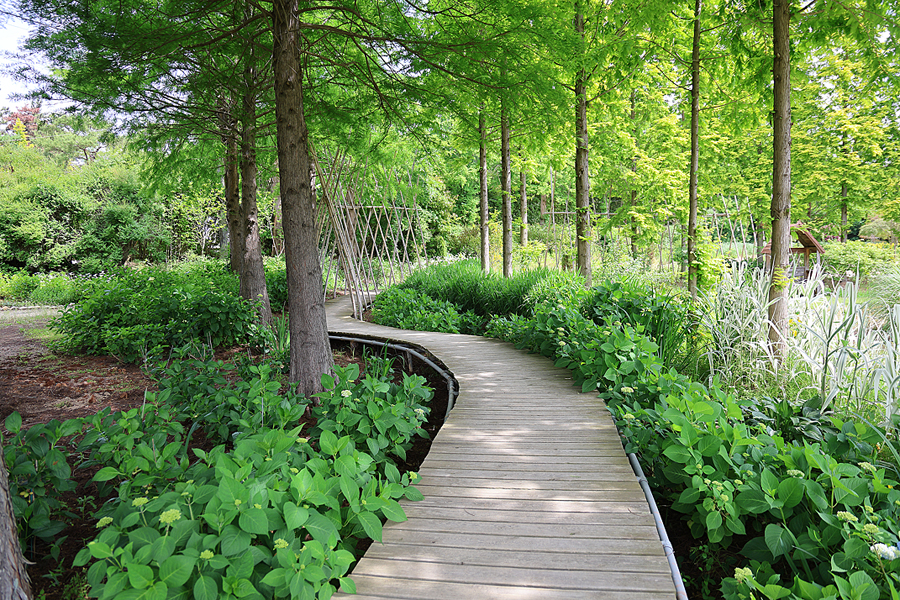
(528, 492)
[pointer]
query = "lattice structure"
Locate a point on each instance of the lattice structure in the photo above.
(369, 236)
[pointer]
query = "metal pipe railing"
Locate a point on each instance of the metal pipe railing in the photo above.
(680, 591)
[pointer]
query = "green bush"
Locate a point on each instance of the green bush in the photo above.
(844, 260)
(18, 286)
(136, 314)
(380, 416)
(56, 289)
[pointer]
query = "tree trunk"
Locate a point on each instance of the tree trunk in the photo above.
(484, 217)
(695, 154)
(845, 191)
(781, 178)
(233, 216)
(631, 220)
(310, 348)
(523, 209)
(14, 583)
(582, 171)
(252, 273)
(505, 186)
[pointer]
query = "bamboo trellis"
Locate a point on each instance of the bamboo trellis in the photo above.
(365, 242)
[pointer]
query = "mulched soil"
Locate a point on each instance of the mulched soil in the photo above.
(42, 385)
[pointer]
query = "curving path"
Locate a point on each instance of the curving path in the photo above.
(528, 492)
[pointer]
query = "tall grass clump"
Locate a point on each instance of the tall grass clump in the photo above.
(465, 285)
(837, 352)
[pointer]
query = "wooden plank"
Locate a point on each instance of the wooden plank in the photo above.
(397, 588)
(524, 576)
(494, 557)
(638, 527)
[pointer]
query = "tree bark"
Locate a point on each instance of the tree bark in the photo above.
(695, 154)
(631, 220)
(582, 171)
(484, 217)
(781, 178)
(233, 216)
(14, 583)
(252, 272)
(505, 186)
(523, 210)
(310, 349)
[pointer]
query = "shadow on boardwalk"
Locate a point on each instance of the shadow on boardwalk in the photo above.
(528, 492)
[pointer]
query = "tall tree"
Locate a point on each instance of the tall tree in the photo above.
(310, 349)
(695, 152)
(781, 174)
(582, 172)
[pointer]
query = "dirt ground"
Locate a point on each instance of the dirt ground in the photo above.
(42, 385)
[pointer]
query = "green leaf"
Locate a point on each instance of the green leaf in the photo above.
(140, 576)
(752, 501)
(713, 520)
(230, 490)
(321, 528)
(107, 473)
(779, 540)
(413, 494)
(176, 570)
(254, 520)
(275, 577)
(328, 442)
(294, 516)
(768, 482)
(790, 491)
(863, 586)
(371, 525)
(205, 588)
(234, 540)
(678, 453)
(393, 511)
(13, 423)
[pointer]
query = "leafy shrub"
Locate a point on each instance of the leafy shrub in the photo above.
(18, 286)
(866, 258)
(272, 518)
(276, 283)
(38, 475)
(408, 309)
(664, 319)
(200, 392)
(465, 285)
(56, 289)
(137, 314)
(559, 287)
(377, 415)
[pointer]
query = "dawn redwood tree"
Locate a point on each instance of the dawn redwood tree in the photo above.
(310, 348)
(781, 173)
(695, 152)
(582, 171)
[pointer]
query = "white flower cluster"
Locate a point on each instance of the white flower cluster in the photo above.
(886, 552)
